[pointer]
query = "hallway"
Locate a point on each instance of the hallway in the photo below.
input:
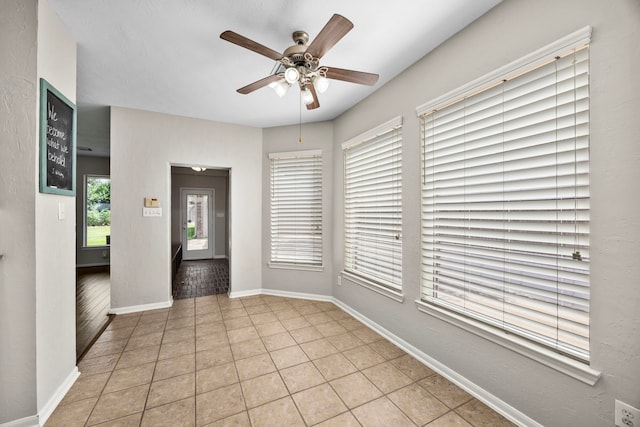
(201, 278)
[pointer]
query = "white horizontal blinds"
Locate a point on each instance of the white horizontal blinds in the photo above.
(373, 209)
(505, 205)
(296, 208)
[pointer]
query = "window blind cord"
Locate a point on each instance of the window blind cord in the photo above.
(467, 219)
(576, 250)
(558, 223)
(505, 230)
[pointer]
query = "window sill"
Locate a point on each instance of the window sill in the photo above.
(302, 267)
(97, 247)
(560, 363)
(397, 296)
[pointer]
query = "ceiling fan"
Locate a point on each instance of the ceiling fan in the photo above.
(300, 63)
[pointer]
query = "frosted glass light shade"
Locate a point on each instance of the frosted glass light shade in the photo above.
(321, 83)
(280, 87)
(307, 96)
(291, 75)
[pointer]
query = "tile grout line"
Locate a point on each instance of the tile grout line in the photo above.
(309, 318)
(112, 371)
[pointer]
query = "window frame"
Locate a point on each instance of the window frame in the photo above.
(370, 281)
(569, 365)
(85, 211)
(315, 172)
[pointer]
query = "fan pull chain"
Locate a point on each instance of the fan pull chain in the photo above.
(300, 125)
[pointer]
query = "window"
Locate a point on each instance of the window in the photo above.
(373, 207)
(98, 210)
(505, 202)
(296, 209)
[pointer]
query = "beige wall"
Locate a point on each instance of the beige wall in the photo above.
(36, 305)
(18, 184)
(511, 30)
(37, 271)
(144, 145)
(315, 136)
(55, 236)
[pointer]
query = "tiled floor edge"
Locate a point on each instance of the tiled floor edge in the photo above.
(479, 393)
(46, 411)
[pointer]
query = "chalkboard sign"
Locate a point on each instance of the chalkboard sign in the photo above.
(57, 142)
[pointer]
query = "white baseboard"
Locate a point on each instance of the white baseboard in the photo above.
(278, 293)
(299, 295)
(102, 264)
(485, 397)
(142, 307)
(31, 421)
(57, 397)
(241, 294)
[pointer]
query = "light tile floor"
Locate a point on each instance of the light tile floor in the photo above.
(258, 361)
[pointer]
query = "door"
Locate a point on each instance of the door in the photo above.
(196, 216)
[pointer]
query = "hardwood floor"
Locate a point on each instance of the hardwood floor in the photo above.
(93, 300)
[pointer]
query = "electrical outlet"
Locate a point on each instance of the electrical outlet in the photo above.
(627, 415)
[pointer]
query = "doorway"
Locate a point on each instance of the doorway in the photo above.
(197, 206)
(200, 243)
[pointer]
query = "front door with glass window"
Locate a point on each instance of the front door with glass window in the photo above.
(196, 215)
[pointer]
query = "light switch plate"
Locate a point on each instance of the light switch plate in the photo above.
(60, 211)
(151, 211)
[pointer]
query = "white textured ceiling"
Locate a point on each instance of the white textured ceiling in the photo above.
(166, 55)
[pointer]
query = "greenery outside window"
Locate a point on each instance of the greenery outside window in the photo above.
(97, 211)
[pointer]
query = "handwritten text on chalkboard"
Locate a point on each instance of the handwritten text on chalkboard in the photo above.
(57, 142)
(59, 126)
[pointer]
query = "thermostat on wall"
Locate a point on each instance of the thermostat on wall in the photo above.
(151, 202)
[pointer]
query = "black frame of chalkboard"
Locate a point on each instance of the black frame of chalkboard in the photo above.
(45, 90)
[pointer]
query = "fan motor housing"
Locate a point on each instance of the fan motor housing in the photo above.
(295, 53)
(300, 37)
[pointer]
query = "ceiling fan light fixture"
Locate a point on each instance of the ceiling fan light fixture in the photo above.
(291, 75)
(280, 87)
(198, 169)
(300, 63)
(307, 96)
(320, 83)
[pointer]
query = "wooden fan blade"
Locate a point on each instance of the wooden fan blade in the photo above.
(315, 104)
(257, 85)
(330, 34)
(242, 41)
(351, 76)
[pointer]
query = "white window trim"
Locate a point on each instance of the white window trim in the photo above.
(288, 265)
(295, 154)
(394, 294)
(382, 290)
(372, 133)
(519, 66)
(534, 351)
(561, 363)
(293, 266)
